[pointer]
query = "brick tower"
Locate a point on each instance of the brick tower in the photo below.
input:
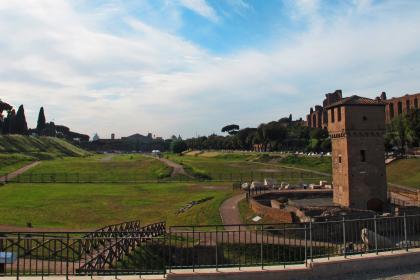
(357, 126)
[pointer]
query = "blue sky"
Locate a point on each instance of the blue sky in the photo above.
(192, 66)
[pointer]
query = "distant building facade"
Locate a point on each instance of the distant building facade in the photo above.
(318, 117)
(356, 126)
(396, 106)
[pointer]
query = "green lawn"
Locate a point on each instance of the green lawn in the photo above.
(89, 206)
(320, 164)
(99, 168)
(246, 166)
(12, 162)
(404, 172)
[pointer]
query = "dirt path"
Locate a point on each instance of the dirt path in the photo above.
(108, 157)
(177, 169)
(21, 170)
(229, 211)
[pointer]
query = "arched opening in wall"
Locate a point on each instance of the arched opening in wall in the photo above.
(399, 108)
(375, 204)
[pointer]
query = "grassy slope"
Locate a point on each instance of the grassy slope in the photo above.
(12, 162)
(39, 147)
(16, 150)
(404, 172)
(84, 206)
(119, 168)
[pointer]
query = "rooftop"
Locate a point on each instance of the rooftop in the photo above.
(357, 100)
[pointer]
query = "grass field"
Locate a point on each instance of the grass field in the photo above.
(217, 165)
(89, 206)
(12, 162)
(108, 168)
(404, 172)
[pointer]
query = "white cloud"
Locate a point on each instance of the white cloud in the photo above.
(201, 7)
(150, 80)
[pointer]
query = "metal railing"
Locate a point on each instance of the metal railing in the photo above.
(157, 250)
(284, 244)
(286, 176)
(73, 253)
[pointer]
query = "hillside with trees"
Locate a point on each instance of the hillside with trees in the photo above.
(12, 122)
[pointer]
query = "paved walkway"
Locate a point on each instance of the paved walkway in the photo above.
(21, 170)
(229, 211)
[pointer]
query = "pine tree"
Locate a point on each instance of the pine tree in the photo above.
(21, 127)
(40, 127)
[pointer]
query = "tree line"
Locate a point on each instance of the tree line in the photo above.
(12, 122)
(285, 134)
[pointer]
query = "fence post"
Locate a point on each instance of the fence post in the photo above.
(116, 256)
(18, 258)
(344, 237)
(405, 232)
(376, 233)
(262, 247)
(306, 248)
(193, 251)
(67, 256)
(170, 250)
(217, 255)
(310, 241)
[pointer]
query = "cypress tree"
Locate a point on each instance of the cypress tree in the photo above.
(40, 127)
(9, 123)
(21, 127)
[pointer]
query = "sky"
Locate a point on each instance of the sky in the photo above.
(189, 67)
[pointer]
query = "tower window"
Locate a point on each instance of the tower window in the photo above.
(407, 105)
(362, 155)
(332, 115)
(339, 159)
(364, 118)
(416, 103)
(339, 114)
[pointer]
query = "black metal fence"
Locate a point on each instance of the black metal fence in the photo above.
(154, 250)
(292, 177)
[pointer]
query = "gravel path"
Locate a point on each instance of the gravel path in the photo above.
(21, 170)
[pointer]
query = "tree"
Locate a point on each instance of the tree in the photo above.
(399, 133)
(21, 127)
(178, 146)
(413, 122)
(40, 127)
(9, 122)
(231, 129)
(95, 137)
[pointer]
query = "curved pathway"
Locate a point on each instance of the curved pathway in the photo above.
(21, 170)
(229, 211)
(177, 169)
